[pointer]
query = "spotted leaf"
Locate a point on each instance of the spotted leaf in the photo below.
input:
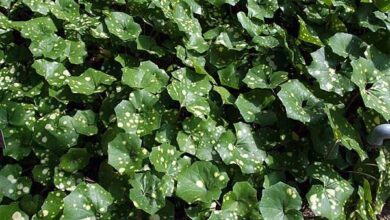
(12, 184)
(252, 106)
(343, 131)
(123, 26)
(147, 193)
(89, 82)
(280, 201)
(241, 199)
(55, 73)
(323, 69)
(346, 45)
(140, 115)
(373, 85)
(147, 76)
(263, 77)
(191, 90)
(125, 153)
(300, 103)
(199, 136)
(328, 199)
(53, 206)
(241, 149)
(307, 34)
(202, 181)
(86, 201)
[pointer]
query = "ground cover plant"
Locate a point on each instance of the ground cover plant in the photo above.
(193, 109)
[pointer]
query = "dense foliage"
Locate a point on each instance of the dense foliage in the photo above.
(200, 109)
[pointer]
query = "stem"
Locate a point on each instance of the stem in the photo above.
(335, 144)
(351, 101)
(364, 174)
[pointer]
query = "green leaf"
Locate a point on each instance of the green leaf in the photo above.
(383, 5)
(42, 174)
(323, 69)
(262, 8)
(199, 136)
(76, 51)
(252, 106)
(65, 181)
(221, 2)
(280, 201)
(149, 45)
(86, 201)
(37, 28)
(123, 26)
(383, 190)
(263, 77)
(75, 159)
(343, 131)
(241, 149)
(241, 199)
(300, 103)
(52, 47)
(164, 158)
(346, 45)
(328, 199)
(37, 6)
(252, 28)
(55, 73)
(140, 115)
(307, 34)
(65, 9)
(223, 214)
(125, 153)
(147, 76)
(55, 132)
(373, 85)
(12, 184)
(229, 77)
(226, 96)
(12, 211)
(147, 193)
(53, 206)
(84, 122)
(364, 209)
(191, 90)
(90, 81)
(202, 181)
